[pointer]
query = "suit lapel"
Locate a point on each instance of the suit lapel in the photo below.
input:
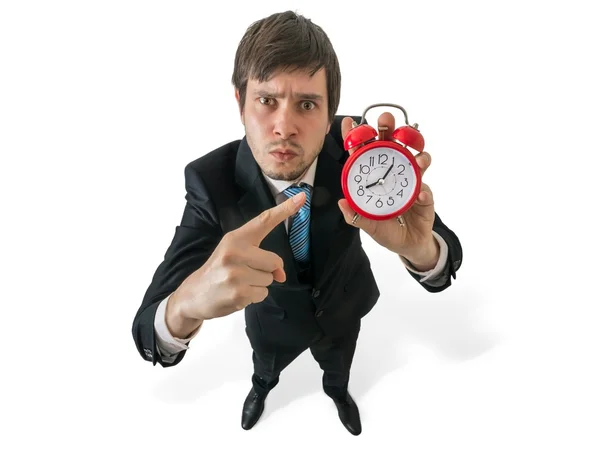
(257, 198)
(330, 234)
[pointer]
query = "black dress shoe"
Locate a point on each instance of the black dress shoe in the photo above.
(348, 412)
(253, 408)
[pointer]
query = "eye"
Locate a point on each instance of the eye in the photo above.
(307, 105)
(266, 100)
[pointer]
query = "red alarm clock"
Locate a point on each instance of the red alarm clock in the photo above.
(381, 179)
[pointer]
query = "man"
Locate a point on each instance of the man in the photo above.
(266, 229)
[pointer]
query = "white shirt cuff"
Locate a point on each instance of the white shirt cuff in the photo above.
(165, 342)
(441, 264)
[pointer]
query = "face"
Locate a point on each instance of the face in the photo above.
(285, 119)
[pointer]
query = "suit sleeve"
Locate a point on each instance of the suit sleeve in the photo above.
(193, 242)
(453, 261)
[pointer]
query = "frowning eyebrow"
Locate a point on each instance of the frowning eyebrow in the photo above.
(276, 95)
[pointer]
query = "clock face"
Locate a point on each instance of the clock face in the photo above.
(381, 181)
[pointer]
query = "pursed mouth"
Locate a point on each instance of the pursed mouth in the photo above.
(283, 152)
(283, 155)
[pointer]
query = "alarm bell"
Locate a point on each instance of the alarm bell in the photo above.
(407, 136)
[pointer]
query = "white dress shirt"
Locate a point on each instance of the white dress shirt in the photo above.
(169, 347)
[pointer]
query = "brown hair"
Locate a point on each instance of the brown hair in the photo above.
(286, 41)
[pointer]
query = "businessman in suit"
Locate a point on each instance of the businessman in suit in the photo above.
(266, 229)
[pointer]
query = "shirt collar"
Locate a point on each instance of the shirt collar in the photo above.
(277, 186)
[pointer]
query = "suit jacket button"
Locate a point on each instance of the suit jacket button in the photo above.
(319, 314)
(316, 293)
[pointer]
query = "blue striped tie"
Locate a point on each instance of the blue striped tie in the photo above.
(299, 233)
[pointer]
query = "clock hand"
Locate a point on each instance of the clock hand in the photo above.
(388, 171)
(381, 180)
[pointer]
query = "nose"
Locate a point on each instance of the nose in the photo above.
(285, 123)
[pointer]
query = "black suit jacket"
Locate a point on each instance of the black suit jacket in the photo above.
(224, 190)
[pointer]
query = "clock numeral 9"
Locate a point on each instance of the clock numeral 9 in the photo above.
(357, 179)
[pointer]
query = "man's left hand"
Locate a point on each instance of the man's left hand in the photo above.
(413, 240)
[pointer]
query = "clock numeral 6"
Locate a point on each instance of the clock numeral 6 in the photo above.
(379, 203)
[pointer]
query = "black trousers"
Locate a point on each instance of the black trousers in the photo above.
(334, 356)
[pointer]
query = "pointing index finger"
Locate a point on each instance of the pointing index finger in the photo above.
(259, 227)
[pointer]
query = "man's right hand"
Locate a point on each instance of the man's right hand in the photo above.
(237, 273)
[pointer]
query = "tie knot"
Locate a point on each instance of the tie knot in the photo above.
(294, 190)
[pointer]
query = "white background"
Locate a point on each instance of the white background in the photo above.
(103, 103)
